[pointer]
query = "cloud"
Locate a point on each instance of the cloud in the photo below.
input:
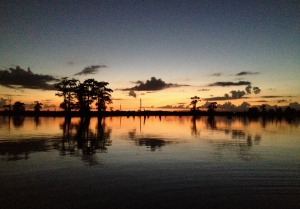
(180, 106)
(256, 90)
(132, 93)
(248, 89)
(223, 84)
(237, 94)
(228, 106)
(90, 70)
(152, 85)
(204, 90)
(275, 96)
(281, 101)
(216, 74)
(19, 78)
(246, 73)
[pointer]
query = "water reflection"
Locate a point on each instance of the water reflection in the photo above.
(13, 151)
(79, 139)
(152, 142)
(18, 121)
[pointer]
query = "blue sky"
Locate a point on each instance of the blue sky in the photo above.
(191, 43)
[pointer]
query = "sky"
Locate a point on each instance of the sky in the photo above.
(162, 52)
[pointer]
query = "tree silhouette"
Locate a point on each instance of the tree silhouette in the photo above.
(195, 100)
(212, 107)
(37, 106)
(85, 93)
(103, 96)
(66, 89)
(19, 108)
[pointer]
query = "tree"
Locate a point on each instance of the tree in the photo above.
(37, 106)
(103, 96)
(19, 107)
(211, 107)
(194, 102)
(86, 94)
(66, 89)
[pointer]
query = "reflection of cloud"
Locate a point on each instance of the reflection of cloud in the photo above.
(152, 143)
(20, 78)
(247, 73)
(152, 85)
(223, 84)
(90, 70)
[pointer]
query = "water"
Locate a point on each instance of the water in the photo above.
(149, 162)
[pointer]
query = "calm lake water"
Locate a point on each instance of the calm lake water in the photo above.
(149, 162)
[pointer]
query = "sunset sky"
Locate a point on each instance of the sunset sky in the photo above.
(213, 49)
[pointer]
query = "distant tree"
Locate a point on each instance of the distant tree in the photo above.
(86, 94)
(66, 89)
(103, 96)
(195, 100)
(212, 107)
(19, 108)
(253, 111)
(263, 109)
(37, 106)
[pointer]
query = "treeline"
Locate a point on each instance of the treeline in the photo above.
(80, 96)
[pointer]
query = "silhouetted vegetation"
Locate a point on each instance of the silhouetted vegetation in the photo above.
(80, 96)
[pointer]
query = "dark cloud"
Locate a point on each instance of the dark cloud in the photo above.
(275, 96)
(132, 93)
(237, 94)
(152, 85)
(281, 101)
(223, 84)
(91, 70)
(246, 73)
(20, 78)
(180, 106)
(228, 106)
(204, 90)
(256, 90)
(248, 89)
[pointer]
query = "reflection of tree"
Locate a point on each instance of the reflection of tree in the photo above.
(195, 132)
(84, 142)
(212, 122)
(241, 142)
(20, 150)
(18, 121)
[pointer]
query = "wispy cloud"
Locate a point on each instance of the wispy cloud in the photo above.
(90, 70)
(216, 74)
(203, 89)
(223, 84)
(19, 78)
(152, 85)
(246, 73)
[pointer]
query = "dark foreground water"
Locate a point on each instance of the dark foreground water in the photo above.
(156, 162)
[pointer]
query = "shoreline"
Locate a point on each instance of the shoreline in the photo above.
(145, 113)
